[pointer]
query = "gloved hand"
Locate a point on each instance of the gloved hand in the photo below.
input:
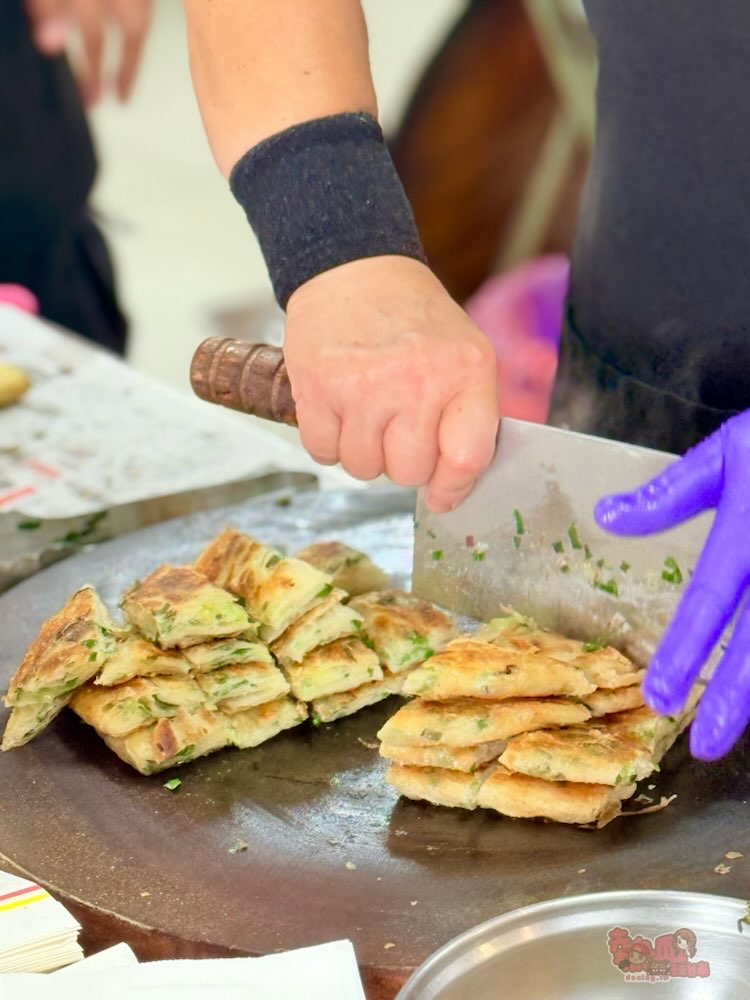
(716, 473)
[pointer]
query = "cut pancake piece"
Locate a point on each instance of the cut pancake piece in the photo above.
(441, 787)
(349, 569)
(468, 722)
(603, 665)
(453, 758)
(624, 747)
(189, 735)
(243, 685)
(524, 797)
(608, 668)
(656, 732)
(255, 726)
(276, 590)
(27, 721)
(237, 562)
(469, 668)
(169, 742)
(118, 711)
(328, 621)
(404, 630)
(177, 607)
(338, 706)
(506, 626)
(605, 701)
(340, 666)
(227, 652)
(137, 657)
(600, 753)
(69, 650)
(292, 588)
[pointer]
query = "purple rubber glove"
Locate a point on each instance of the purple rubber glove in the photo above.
(716, 473)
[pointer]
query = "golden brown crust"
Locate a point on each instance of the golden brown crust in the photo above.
(338, 706)
(524, 797)
(469, 668)
(342, 665)
(137, 657)
(467, 722)
(606, 701)
(404, 629)
(120, 710)
(439, 786)
(69, 644)
(466, 759)
(276, 590)
(593, 754)
(251, 683)
(326, 622)
(349, 569)
(176, 606)
(236, 562)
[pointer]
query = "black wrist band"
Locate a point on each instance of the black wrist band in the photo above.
(321, 194)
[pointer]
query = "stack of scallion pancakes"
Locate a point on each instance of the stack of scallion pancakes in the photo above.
(528, 723)
(227, 652)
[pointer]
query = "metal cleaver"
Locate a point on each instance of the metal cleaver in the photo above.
(526, 537)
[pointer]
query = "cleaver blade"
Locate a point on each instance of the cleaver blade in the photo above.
(526, 538)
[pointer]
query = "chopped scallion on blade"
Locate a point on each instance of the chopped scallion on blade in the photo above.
(437, 555)
(575, 541)
(624, 566)
(610, 587)
(519, 522)
(557, 547)
(671, 572)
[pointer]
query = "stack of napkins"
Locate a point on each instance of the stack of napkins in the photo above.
(37, 933)
(325, 972)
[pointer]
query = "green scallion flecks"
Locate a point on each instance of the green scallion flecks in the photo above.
(575, 541)
(671, 572)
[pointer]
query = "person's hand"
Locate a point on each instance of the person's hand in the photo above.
(389, 375)
(52, 20)
(716, 473)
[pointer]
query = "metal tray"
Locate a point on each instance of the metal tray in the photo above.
(29, 544)
(560, 950)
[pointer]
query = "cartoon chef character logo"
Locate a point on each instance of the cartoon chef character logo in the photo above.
(669, 956)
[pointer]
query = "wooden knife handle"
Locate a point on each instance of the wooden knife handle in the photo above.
(244, 376)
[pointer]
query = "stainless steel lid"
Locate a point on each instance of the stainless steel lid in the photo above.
(613, 944)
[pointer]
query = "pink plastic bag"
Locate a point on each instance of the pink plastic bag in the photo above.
(521, 312)
(21, 298)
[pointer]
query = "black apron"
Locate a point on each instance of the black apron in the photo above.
(48, 241)
(656, 346)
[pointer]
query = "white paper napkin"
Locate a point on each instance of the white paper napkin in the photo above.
(324, 972)
(36, 932)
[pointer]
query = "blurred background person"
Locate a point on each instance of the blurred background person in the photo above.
(49, 241)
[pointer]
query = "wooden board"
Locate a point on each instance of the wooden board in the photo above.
(332, 853)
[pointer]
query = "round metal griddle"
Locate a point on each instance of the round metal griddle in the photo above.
(332, 853)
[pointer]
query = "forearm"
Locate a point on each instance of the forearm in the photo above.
(260, 66)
